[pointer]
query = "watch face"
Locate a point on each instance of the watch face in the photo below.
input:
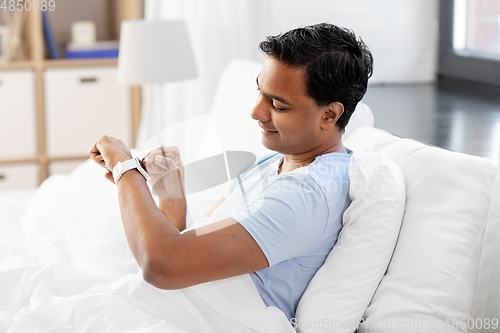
(141, 163)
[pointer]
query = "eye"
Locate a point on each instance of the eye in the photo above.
(278, 109)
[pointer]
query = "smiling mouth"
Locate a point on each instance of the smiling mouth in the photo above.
(264, 131)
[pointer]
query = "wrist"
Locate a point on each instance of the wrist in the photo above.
(127, 165)
(121, 158)
(132, 174)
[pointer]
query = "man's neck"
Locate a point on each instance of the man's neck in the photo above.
(292, 162)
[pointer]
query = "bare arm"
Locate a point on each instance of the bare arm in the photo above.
(167, 179)
(170, 260)
(175, 211)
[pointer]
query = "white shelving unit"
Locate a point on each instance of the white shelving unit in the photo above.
(52, 111)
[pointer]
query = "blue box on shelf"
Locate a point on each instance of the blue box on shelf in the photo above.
(101, 49)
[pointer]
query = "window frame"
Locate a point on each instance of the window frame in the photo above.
(462, 65)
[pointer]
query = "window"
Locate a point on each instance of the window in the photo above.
(470, 40)
(476, 27)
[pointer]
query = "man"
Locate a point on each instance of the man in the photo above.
(282, 229)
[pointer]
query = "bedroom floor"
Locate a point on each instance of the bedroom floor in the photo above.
(456, 118)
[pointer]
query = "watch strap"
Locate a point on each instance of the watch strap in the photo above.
(122, 167)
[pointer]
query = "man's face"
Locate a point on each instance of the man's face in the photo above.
(289, 118)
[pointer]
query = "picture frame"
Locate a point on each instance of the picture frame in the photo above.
(4, 43)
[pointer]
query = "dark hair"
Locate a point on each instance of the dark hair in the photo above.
(337, 63)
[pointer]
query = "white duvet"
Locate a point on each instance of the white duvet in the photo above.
(65, 266)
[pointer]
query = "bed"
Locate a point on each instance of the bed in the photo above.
(426, 261)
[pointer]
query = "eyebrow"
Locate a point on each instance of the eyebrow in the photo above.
(278, 98)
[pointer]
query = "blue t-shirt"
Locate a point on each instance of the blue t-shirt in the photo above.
(294, 217)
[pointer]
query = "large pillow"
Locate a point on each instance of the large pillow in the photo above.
(341, 290)
(430, 284)
(362, 116)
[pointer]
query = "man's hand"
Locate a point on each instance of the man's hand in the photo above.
(164, 165)
(107, 152)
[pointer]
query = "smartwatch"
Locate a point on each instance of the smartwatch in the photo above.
(122, 167)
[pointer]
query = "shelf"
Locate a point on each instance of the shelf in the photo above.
(63, 63)
(16, 65)
(48, 159)
(68, 158)
(19, 161)
(108, 15)
(59, 63)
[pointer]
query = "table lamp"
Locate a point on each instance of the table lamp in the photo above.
(155, 52)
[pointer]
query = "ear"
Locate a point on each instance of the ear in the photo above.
(332, 113)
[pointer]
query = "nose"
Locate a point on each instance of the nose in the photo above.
(260, 111)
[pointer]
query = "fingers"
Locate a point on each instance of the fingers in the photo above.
(96, 156)
(166, 163)
(171, 152)
(149, 157)
(109, 176)
(108, 149)
(153, 168)
(161, 165)
(94, 151)
(100, 160)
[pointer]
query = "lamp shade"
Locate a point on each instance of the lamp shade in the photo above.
(155, 52)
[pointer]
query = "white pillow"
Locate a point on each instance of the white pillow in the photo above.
(431, 281)
(362, 116)
(341, 290)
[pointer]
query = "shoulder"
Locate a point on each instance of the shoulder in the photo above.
(332, 164)
(330, 167)
(331, 174)
(325, 168)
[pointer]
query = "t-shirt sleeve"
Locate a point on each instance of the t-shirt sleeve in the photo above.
(289, 218)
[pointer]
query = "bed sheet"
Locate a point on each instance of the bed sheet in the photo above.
(65, 266)
(13, 208)
(61, 298)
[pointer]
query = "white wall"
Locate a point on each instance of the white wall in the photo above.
(402, 34)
